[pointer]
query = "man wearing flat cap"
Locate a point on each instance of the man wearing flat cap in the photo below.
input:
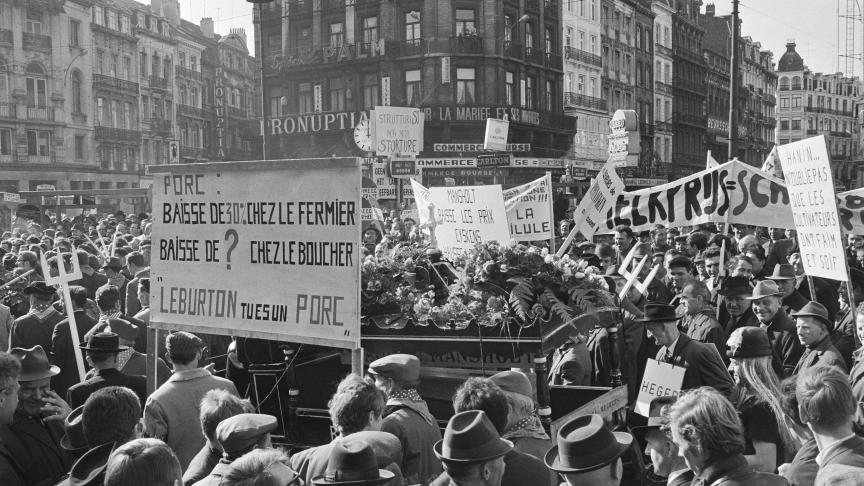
(34, 436)
(588, 453)
(102, 351)
(172, 411)
(524, 428)
(36, 327)
(471, 451)
(238, 435)
(814, 332)
(406, 415)
(704, 367)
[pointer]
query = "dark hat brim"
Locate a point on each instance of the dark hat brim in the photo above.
(104, 350)
(383, 476)
(505, 447)
(51, 371)
(67, 445)
(553, 461)
(736, 291)
(822, 319)
(657, 320)
(757, 297)
(772, 277)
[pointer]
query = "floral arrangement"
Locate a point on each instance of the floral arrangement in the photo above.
(490, 284)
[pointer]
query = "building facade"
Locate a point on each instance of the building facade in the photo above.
(689, 90)
(329, 63)
(813, 104)
(663, 74)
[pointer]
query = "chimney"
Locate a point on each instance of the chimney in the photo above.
(710, 10)
(241, 32)
(207, 27)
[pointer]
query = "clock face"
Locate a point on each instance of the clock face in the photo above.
(362, 136)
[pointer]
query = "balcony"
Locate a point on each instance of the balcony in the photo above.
(122, 134)
(686, 84)
(187, 73)
(6, 37)
(646, 129)
(688, 55)
(663, 126)
(689, 119)
(514, 50)
(841, 134)
(40, 113)
(191, 152)
(413, 47)
(770, 121)
(663, 88)
(39, 159)
(7, 110)
(110, 82)
(579, 55)
(578, 100)
(158, 125)
(812, 131)
(534, 55)
(155, 82)
(187, 110)
(663, 50)
(466, 45)
(37, 42)
(554, 61)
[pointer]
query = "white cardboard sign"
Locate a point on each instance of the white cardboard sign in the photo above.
(397, 130)
(496, 134)
(660, 380)
(528, 210)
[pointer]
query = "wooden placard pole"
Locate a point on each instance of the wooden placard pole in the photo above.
(551, 213)
(357, 361)
(62, 280)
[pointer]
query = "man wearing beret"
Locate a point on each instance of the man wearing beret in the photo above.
(171, 412)
(238, 435)
(36, 327)
(406, 415)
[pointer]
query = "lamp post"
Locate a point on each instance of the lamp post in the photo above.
(259, 51)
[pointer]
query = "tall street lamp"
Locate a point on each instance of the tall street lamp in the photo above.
(259, 51)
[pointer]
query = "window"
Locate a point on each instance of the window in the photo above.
(182, 59)
(76, 92)
(33, 22)
(166, 69)
(337, 34)
(79, 147)
(183, 100)
(5, 141)
(412, 27)
(337, 94)
(305, 101)
(100, 104)
(370, 30)
(114, 64)
(784, 102)
(580, 86)
(37, 143)
(370, 91)
(127, 115)
(127, 68)
(413, 92)
(796, 102)
(154, 66)
(593, 44)
(142, 68)
(509, 89)
(796, 124)
(36, 94)
(194, 97)
(549, 35)
(548, 95)
(784, 124)
(74, 30)
(593, 88)
(124, 24)
(465, 23)
(568, 37)
(529, 37)
(113, 114)
(465, 86)
(98, 15)
(193, 63)
(145, 107)
(530, 92)
(4, 82)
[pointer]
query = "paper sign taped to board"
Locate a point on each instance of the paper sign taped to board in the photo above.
(659, 380)
(529, 210)
(590, 214)
(258, 249)
(810, 183)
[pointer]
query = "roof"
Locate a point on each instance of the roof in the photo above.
(790, 60)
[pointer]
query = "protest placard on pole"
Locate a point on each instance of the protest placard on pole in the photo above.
(551, 213)
(529, 212)
(660, 380)
(590, 214)
(397, 130)
(809, 181)
(62, 280)
(225, 235)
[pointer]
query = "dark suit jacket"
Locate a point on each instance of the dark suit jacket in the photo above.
(63, 352)
(856, 379)
(133, 306)
(826, 294)
(704, 366)
(784, 341)
(10, 470)
(35, 447)
(91, 283)
(823, 354)
(140, 341)
(137, 365)
(28, 331)
(571, 365)
(848, 453)
(777, 253)
(78, 394)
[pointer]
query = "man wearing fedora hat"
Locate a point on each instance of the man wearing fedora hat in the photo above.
(352, 462)
(784, 276)
(130, 361)
(36, 327)
(262, 467)
(704, 367)
(736, 311)
(33, 437)
(667, 466)
(767, 305)
(471, 451)
(588, 453)
(102, 350)
(814, 332)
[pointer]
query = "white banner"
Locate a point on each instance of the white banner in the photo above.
(590, 214)
(258, 249)
(659, 380)
(807, 172)
(529, 211)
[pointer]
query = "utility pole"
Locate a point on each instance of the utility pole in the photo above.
(733, 84)
(259, 53)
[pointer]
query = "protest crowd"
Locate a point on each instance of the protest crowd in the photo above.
(771, 394)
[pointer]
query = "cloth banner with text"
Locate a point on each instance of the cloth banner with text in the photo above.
(529, 212)
(733, 192)
(659, 380)
(463, 216)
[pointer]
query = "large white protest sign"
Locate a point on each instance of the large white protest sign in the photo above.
(528, 210)
(397, 130)
(660, 380)
(807, 172)
(590, 214)
(257, 249)
(733, 192)
(462, 216)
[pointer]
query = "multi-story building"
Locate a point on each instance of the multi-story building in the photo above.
(190, 87)
(688, 89)
(717, 103)
(643, 48)
(663, 73)
(329, 62)
(46, 124)
(812, 104)
(583, 75)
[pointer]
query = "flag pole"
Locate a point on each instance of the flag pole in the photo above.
(551, 193)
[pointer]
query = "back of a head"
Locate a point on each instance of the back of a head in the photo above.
(143, 462)
(483, 394)
(352, 402)
(218, 405)
(110, 415)
(135, 258)
(260, 467)
(825, 398)
(79, 295)
(107, 297)
(698, 240)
